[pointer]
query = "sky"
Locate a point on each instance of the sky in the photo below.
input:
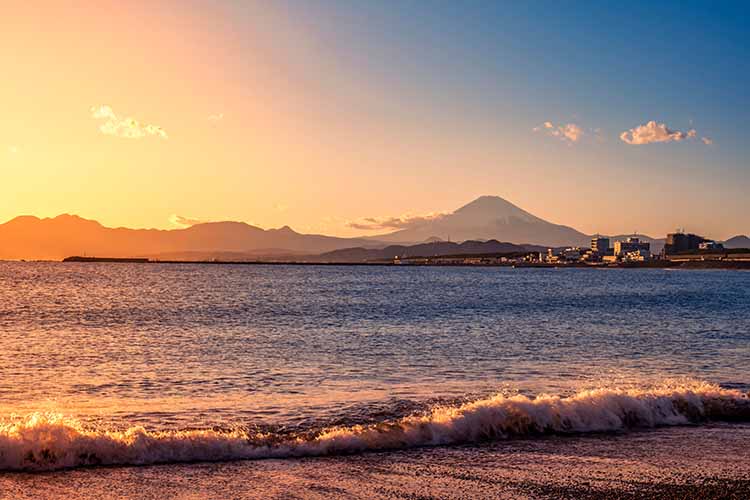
(323, 115)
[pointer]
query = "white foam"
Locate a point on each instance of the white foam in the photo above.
(45, 441)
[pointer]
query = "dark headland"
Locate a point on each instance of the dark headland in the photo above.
(77, 258)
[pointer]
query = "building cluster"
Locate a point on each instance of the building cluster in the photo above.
(631, 249)
(678, 246)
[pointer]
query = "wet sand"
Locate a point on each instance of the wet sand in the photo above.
(684, 462)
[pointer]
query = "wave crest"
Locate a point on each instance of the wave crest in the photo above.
(47, 441)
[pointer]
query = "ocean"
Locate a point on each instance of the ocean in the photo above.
(240, 381)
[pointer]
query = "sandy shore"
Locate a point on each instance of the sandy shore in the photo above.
(686, 462)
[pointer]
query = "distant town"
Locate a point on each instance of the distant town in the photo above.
(679, 248)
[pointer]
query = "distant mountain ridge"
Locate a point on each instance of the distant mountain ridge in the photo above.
(486, 219)
(29, 237)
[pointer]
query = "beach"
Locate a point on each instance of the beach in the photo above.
(686, 462)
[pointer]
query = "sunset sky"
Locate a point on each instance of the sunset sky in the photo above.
(320, 114)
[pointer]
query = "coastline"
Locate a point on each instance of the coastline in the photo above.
(654, 264)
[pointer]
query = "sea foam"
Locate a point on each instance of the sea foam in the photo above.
(47, 441)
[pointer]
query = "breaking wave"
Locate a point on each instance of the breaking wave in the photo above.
(45, 441)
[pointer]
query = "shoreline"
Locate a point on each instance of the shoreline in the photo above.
(686, 462)
(654, 264)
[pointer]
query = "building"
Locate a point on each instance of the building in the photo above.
(599, 245)
(637, 256)
(571, 254)
(631, 245)
(710, 245)
(591, 256)
(682, 242)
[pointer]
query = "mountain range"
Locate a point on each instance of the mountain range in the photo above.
(29, 237)
(489, 219)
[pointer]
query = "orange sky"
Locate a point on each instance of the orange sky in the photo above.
(268, 124)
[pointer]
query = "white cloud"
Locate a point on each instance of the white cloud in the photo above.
(13, 150)
(707, 141)
(568, 132)
(390, 222)
(128, 128)
(217, 117)
(653, 132)
(179, 220)
(572, 132)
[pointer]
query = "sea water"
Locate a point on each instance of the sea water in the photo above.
(131, 364)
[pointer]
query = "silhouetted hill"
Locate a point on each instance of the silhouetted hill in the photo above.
(739, 241)
(423, 250)
(28, 237)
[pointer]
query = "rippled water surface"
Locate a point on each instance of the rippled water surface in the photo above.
(182, 346)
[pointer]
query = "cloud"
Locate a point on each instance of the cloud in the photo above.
(568, 132)
(653, 132)
(400, 222)
(217, 117)
(280, 207)
(707, 141)
(13, 150)
(128, 128)
(179, 220)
